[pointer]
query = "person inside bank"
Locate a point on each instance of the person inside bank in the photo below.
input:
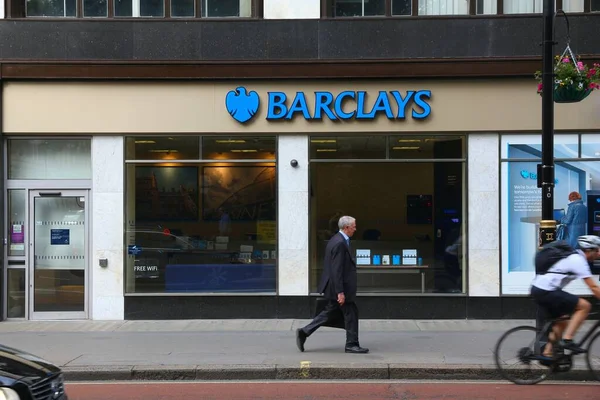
(575, 219)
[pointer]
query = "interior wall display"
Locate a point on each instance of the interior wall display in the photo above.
(166, 193)
(245, 193)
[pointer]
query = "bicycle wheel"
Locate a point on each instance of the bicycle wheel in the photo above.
(515, 357)
(593, 356)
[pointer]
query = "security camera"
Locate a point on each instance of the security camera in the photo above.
(294, 163)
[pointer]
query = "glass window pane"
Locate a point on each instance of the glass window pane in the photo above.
(139, 8)
(183, 8)
(530, 146)
(344, 147)
(420, 209)
(123, 8)
(443, 7)
(16, 293)
(51, 8)
(205, 228)
(16, 222)
(590, 146)
(49, 159)
(572, 5)
(401, 7)
(374, 7)
(163, 148)
(522, 209)
(152, 8)
(226, 8)
(429, 147)
(359, 8)
(595, 6)
(95, 8)
(238, 148)
(487, 7)
(522, 6)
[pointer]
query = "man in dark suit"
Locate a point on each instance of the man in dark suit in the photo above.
(338, 285)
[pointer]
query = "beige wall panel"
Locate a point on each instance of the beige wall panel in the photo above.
(197, 107)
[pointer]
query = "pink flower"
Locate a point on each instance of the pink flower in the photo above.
(565, 60)
(539, 87)
(591, 73)
(580, 66)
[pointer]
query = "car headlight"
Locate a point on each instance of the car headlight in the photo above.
(8, 394)
(56, 387)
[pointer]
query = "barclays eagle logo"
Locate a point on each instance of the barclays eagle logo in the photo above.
(241, 105)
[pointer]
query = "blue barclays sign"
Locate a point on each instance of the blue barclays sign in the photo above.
(243, 105)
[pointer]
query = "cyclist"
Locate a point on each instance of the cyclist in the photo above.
(547, 291)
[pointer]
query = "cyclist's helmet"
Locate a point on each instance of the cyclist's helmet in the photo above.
(588, 242)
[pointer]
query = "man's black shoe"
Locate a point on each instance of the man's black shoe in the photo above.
(570, 345)
(357, 350)
(300, 339)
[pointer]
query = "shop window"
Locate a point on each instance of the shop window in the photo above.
(163, 148)
(409, 214)
(521, 201)
(203, 227)
(595, 6)
(49, 159)
(238, 148)
(344, 147)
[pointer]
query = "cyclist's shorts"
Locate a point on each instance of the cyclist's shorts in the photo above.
(556, 302)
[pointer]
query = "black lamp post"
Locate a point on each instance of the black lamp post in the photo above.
(545, 181)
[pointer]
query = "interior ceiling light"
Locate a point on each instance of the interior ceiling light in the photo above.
(163, 151)
(145, 142)
(406, 148)
(323, 141)
(244, 151)
(327, 150)
(409, 140)
(230, 141)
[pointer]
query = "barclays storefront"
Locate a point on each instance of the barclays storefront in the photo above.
(215, 199)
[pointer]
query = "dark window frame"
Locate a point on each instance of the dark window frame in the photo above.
(327, 10)
(18, 9)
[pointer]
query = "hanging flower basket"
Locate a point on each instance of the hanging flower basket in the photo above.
(573, 80)
(569, 94)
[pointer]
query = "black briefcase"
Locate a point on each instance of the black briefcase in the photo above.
(337, 319)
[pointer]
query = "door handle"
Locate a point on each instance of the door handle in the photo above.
(50, 193)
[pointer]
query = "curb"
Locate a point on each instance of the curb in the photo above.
(302, 371)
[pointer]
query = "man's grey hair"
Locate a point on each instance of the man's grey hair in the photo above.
(345, 221)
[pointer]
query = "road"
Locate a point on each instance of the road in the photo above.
(326, 390)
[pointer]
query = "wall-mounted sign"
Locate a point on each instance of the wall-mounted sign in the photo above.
(243, 105)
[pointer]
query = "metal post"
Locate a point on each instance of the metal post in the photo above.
(547, 230)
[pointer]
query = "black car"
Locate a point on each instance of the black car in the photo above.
(24, 376)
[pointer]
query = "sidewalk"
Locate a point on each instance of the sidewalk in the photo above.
(265, 349)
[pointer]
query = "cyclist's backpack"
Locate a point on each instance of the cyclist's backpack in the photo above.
(550, 254)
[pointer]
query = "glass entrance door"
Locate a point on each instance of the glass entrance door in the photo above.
(58, 256)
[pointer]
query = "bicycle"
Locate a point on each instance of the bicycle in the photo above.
(530, 370)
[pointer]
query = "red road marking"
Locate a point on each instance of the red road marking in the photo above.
(329, 391)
